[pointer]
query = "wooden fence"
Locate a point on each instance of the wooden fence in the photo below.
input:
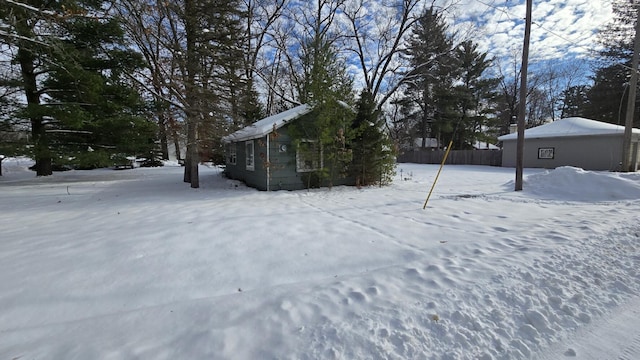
(456, 157)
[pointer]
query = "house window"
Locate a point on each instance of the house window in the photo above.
(231, 154)
(308, 156)
(546, 153)
(249, 155)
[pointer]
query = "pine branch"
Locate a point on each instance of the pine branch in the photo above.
(155, 93)
(8, 35)
(30, 8)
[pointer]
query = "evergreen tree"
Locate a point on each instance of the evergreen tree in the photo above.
(373, 152)
(206, 39)
(94, 105)
(197, 72)
(72, 61)
(319, 78)
(447, 94)
(475, 96)
(328, 88)
(429, 99)
(607, 97)
(575, 101)
(606, 100)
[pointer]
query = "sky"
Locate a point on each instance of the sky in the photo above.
(134, 264)
(561, 29)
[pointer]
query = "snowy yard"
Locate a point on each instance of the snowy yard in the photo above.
(134, 264)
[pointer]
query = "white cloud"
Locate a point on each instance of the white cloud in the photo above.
(562, 28)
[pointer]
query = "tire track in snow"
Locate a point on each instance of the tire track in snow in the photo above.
(614, 336)
(378, 231)
(344, 218)
(632, 351)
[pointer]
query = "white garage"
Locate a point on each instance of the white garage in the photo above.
(579, 142)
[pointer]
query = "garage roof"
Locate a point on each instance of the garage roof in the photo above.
(573, 126)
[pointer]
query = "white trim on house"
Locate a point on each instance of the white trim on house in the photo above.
(232, 155)
(250, 159)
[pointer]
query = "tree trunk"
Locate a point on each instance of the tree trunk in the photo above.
(191, 165)
(187, 168)
(41, 148)
(176, 144)
(191, 95)
(164, 144)
(42, 153)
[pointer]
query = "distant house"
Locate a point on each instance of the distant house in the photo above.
(262, 155)
(481, 145)
(429, 143)
(434, 144)
(579, 142)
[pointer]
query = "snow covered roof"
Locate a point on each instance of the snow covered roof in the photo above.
(266, 125)
(481, 145)
(430, 142)
(573, 126)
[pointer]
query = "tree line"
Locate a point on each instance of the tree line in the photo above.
(83, 83)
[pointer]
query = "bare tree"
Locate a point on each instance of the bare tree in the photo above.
(145, 25)
(195, 65)
(262, 57)
(377, 33)
(508, 99)
(296, 38)
(552, 81)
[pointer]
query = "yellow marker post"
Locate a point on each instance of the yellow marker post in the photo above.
(446, 154)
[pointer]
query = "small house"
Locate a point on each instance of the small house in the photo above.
(575, 141)
(482, 145)
(426, 143)
(263, 155)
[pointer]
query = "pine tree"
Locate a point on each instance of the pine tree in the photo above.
(373, 152)
(475, 96)
(196, 54)
(574, 101)
(606, 99)
(428, 97)
(322, 81)
(72, 60)
(96, 106)
(209, 61)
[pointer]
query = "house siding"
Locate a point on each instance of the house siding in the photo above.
(603, 152)
(238, 171)
(282, 165)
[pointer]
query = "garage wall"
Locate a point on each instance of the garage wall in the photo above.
(586, 152)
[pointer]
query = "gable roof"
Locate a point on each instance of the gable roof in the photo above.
(429, 142)
(573, 126)
(266, 125)
(481, 145)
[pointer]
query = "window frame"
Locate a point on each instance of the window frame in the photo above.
(301, 161)
(250, 159)
(546, 153)
(232, 155)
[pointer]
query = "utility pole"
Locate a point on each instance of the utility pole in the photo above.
(631, 102)
(522, 105)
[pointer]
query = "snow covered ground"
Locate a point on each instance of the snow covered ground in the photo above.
(134, 264)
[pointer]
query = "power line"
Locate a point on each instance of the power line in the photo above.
(510, 16)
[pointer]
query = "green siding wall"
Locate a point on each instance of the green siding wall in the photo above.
(282, 165)
(255, 178)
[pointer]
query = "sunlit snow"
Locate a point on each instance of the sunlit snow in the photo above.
(134, 264)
